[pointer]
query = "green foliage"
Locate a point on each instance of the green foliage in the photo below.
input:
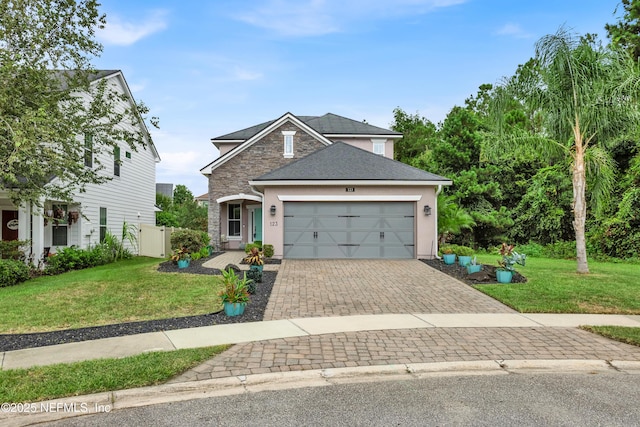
(626, 32)
(451, 218)
(255, 257)
(268, 251)
(41, 135)
(11, 249)
(72, 258)
(250, 246)
(235, 289)
(190, 240)
(464, 251)
(41, 383)
(12, 272)
(561, 250)
(417, 132)
(533, 250)
(255, 275)
(510, 258)
(196, 256)
(183, 211)
(460, 141)
(544, 212)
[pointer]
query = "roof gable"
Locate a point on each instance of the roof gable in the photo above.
(271, 126)
(340, 161)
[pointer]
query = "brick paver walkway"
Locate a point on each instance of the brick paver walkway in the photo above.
(407, 346)
(312, 288)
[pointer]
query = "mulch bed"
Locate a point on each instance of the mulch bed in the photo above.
(254, 312)
(486, 276)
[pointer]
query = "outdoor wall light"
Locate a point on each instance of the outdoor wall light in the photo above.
(427, 210)
(273, 209)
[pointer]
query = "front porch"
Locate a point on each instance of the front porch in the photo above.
(241, 220)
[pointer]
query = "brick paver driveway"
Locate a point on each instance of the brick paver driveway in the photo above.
(312, 288)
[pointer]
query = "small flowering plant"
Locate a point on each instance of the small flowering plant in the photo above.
(180, 254)
(510, 258)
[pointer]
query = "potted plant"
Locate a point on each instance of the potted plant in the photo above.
(506, 265)
(473, 267)
(448, 255)
(255, 259)
(182, 257)
(235, 294)
(464, 255)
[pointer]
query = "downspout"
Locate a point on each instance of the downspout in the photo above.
(438, 191)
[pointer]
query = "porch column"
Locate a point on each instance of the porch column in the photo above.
(24, 213)
(37, 236)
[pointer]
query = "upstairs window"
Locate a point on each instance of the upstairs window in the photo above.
(88, 150)
(378, 147)
(288, 143)
(116, 161)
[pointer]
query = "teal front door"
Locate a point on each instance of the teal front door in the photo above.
(257, 224)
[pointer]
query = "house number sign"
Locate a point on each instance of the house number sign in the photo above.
(13, 224)
(350, 189)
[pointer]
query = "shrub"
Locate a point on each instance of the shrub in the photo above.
(10, 249)
(561, 250)
(255, 275)
(464, 251)
(206, 239)
(532, 249)
(249, 246)
(268, 251)
(196, 256)
(251, 286)
(204, 252)
(189, 239)
(12, 272)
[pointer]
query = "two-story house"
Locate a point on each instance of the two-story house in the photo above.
(321, 187)
(129, 196)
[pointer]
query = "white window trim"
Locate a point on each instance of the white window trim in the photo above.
(379, 143)
(229, 236)
(287, 133)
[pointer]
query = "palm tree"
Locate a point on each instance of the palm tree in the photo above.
(452, 219)
(579, 97)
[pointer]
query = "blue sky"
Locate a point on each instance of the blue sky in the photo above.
(206, 68)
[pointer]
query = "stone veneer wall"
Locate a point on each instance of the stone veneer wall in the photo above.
(263, 156)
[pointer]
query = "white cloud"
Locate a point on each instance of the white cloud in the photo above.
(513, 30)
(320, 17)
(124, 33)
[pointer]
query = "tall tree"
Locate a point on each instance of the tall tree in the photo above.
(626, 32)
(583, 96)
(46, 48)
(416, 131)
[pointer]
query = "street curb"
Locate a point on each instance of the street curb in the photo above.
(175, 392)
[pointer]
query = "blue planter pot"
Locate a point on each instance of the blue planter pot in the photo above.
(256, 267)
(183, 263)
(504, 276)
(449, 258)
(474, 268)
(464, 260)
(234, 308)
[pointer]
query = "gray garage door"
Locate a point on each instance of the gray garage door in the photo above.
(349, 229)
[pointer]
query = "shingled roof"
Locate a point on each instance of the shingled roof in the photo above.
(340, 161)
(329, 124)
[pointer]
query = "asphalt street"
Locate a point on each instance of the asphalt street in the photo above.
(576, 399)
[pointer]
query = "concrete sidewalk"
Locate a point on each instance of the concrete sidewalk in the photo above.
(301, 327)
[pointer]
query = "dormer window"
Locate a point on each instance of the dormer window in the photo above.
(288, 143)
(378, 146)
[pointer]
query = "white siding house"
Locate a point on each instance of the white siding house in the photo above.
(128, 197)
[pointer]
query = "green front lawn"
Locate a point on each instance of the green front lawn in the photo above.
(124, 291)
(94, 376)
(554, 287)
